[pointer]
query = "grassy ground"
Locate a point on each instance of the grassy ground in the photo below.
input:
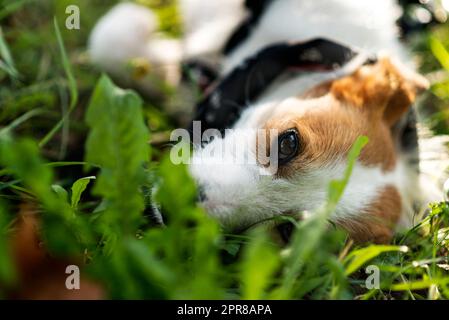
(75, 170)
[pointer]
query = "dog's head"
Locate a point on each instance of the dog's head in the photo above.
(308, 137)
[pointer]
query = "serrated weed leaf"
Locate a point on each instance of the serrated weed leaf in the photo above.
(118, 143)
(177, 191)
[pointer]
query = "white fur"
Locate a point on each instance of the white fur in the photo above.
(369, 25)
(208, 24)
(129, 31)
(238, 195)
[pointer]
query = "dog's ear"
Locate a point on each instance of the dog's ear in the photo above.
(383, 89)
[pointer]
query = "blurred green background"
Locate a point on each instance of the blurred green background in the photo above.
(76, 172)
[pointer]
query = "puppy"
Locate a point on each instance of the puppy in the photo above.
(312, 76)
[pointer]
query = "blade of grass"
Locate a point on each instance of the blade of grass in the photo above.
(65, 126)
(8, 63)
(6, 185)
(309, 233)
(439, 51)
(23, 118)
(419, 284)
(72, 88)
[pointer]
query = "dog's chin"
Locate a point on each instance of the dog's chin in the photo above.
(226, 214)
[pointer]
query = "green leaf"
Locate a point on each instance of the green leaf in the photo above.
(118, 143)
(72, 87)
(22, 158)
(61, 192)
(191, 233)
(153, 268)
(177, 190)
(78, 188)
(7, 64)
(357, 258)
(260, 261)
(439, 51)
(17, 122)
(337, 187)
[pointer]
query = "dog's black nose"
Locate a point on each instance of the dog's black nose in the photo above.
(201, 196)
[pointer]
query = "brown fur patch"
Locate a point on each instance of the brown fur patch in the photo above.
(380, 88)
(368, 102)
(379, 219)
(328, 134)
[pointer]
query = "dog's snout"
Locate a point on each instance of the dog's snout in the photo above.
(201, 194)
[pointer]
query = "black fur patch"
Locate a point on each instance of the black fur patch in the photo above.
(224, 103)
(256, 10)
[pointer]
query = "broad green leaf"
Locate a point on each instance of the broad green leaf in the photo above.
(153, 268)
(61, 192)
(177, 189)
(440, 52)
(189, 231)
(78, 188)
(118, 143)
(205, 258)
(357, 258)
(22, 158)
(260, 261)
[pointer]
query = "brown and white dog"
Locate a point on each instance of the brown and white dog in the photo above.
(313, 114)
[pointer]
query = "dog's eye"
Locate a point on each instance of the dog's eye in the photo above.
(288, 144)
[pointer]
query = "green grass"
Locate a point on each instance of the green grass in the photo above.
(75, 147)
